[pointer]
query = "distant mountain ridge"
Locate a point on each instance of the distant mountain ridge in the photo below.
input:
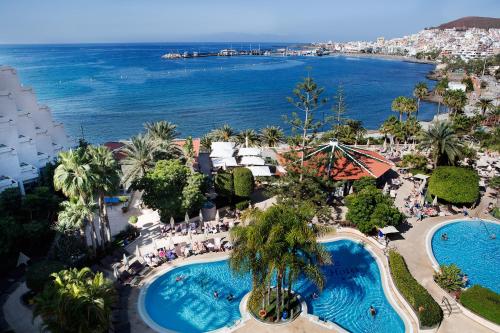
(472, 22)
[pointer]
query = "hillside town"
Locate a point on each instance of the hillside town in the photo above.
(471, 43)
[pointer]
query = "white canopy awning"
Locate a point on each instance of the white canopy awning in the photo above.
(252, 160)
(389, 230)
(420, 176)
(222, 149)
(260, 171)
(249, 152)
(219, 162)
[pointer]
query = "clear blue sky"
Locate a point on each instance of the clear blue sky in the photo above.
(74, 21)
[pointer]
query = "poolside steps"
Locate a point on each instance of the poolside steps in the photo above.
(449, 307)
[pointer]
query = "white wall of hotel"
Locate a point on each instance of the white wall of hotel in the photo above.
(388, 287)
(29, 137)
(435, 265)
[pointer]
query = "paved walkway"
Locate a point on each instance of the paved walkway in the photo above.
(413, 247)
(18, 316)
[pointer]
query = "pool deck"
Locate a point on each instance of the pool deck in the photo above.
(413, 247)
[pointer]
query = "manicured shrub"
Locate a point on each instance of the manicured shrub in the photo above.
(224, 184)
(482, 301)
(38, 274)
(243, 182)
(454, 185)
(242, 205)
(428, 311)
(133, 219)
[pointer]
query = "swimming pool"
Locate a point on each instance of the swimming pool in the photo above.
(471, 247)
(353, 284)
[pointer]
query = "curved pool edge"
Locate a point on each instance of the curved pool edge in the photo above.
(245, 316)
(435, 265)
(434, 229)
(387, 285)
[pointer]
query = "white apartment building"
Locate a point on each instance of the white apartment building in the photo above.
(29, 137)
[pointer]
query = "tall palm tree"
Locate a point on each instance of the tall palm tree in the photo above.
(107, 180)
(278, 243)
(440, 90)
(398, 105)
(248, 138)
(224, 133)
(76, 215)
(73, 176)
(76, 301)
(139, 158)
(443, 143)
(409, 106)
(271, 136)
(420, 91)
(484, 104)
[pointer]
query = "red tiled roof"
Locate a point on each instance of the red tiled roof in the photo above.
(345, 169)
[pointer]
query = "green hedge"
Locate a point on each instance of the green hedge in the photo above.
(242, 205)
(243, 182)
(38, 274)
(427, 309)
(482, 301)
(454, 185)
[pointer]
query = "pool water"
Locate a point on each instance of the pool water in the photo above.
(471, 247)
(353, 283)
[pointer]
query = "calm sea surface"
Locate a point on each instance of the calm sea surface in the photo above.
(112, 89)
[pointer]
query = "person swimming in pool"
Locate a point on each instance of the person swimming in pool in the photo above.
(444, 236)
(315, 296)
(373, 312)
(230, 297)
(216, 294)
(179, 278)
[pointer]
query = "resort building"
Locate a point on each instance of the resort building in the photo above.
(29, 137)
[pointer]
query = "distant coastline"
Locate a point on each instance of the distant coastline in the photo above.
(386, 56)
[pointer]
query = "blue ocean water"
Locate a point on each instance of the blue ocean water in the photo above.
(472, 247)
(112, 89)
(353, 284)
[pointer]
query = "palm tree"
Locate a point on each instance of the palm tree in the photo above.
(409, 106)
(484, 104)
(206, 143)
(107, 180)
(443, 143)
(73, 176)
(161, 130)
(421, 90)
(271, 136)
(139, 158)
(455, 100)
(357, 129)
(388, 128)
(248, 137)
(440, 90)
(76, 215)
(398, 106)
(76, 301)
(224, 133)
(278, 244)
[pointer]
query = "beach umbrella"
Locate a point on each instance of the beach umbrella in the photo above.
(206, 231)
(170, 242)
(351, 190)
(386, 187)
(435, 201)
(186, 218)
(190, 236)
(172, 223)
(384, 146)
(368, 142)
(201, 216)
(137, 251)
(217, 216)
(116, 274)
(22, 259)
(125, 261)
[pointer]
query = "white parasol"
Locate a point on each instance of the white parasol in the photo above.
(170, 242)
(125, 261)
(435, 201)
(172, 223)
(217, 216)
(22, 259)
(137, 251)
(186, 218)
(201, 216)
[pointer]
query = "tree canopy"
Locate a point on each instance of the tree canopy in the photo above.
(455, 185)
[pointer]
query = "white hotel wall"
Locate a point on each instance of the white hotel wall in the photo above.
(29, 137)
